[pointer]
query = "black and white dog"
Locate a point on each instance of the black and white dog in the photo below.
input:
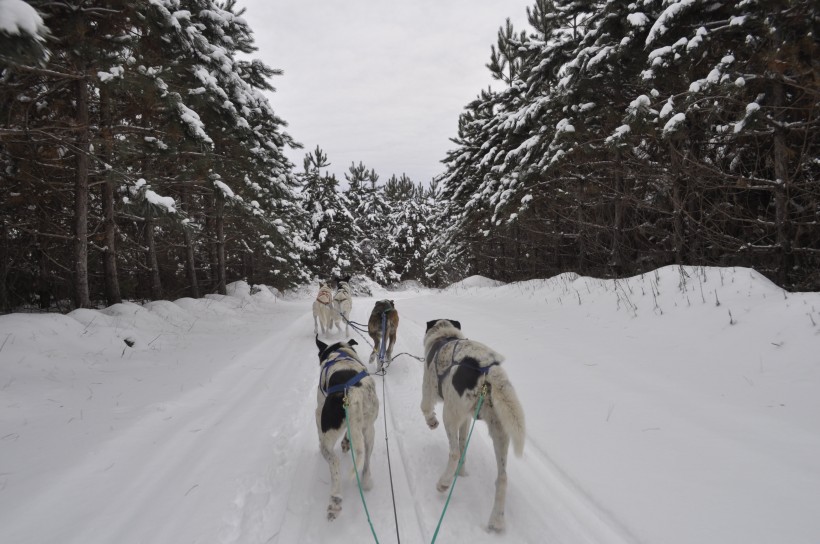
(455, 371)
(343, 375)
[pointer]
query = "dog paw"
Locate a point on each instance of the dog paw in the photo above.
(367, 482)
(441, 487)
(463, 471)
(345, 444)
(334, 508)
(496, 525)
(432, 422)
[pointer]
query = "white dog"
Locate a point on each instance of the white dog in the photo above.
(323, 309)
(343, 304)
(344, 375)
(455, 371)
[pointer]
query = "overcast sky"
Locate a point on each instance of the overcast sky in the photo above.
(377, 81)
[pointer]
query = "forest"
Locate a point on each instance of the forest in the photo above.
(141, 157)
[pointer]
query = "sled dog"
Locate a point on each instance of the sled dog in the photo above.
(390, 322)
(323, 309)
(455, 371)
(342, 373)
(343, 304)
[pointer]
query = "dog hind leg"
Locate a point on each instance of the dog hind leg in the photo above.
(463, 432)
(369, 437)
(392, 338)
(452, 423)
(501, 444)
(428, 404)
(327, 441)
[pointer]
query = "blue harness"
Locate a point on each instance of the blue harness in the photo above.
(342, 386)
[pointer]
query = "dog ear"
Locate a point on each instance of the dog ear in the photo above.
(430, 324)
(321, 345)
(455, 323)
(352, 342)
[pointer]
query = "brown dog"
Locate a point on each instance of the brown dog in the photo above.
(374, 328)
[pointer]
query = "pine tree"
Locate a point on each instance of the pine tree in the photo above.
(371, 214)
(333, 230)
(409, 236)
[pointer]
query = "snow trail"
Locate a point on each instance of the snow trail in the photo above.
(650, 418)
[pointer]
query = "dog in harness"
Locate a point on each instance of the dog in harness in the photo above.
(456, 372)
(323, 309)
(343, 304)
(344, 376)
(382, 327)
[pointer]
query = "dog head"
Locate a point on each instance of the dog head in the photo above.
(384, 306)
(325, 349)
(441, 323)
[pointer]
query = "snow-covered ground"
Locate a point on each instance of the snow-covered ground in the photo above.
(677, 407)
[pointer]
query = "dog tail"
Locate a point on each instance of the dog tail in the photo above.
(507, 407)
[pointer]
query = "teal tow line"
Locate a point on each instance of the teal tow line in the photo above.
(358, 481)
(460, 462)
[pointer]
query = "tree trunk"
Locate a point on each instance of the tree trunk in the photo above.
(190, 254)
(190, 263)
(678, 197)
(5, 303)
(112, 284)
(43, 283)
(210, 237)
(782, 190)
(151, 258)
(221, 268)
(617, 251)
(81, 291)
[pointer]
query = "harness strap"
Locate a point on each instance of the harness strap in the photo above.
(383, 340)
(433, 353)
(342, 294)
(329, 363)
(347, 385)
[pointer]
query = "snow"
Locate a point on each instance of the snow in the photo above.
(19, 18)
(674, 123)
(165, 202)
(113, 73)
(620, 133)
(564, 125)
(223, 187)
(194, 123)
(674, 407)
(641, 103)
(637, 19)
(669, 14)
(667, 108)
